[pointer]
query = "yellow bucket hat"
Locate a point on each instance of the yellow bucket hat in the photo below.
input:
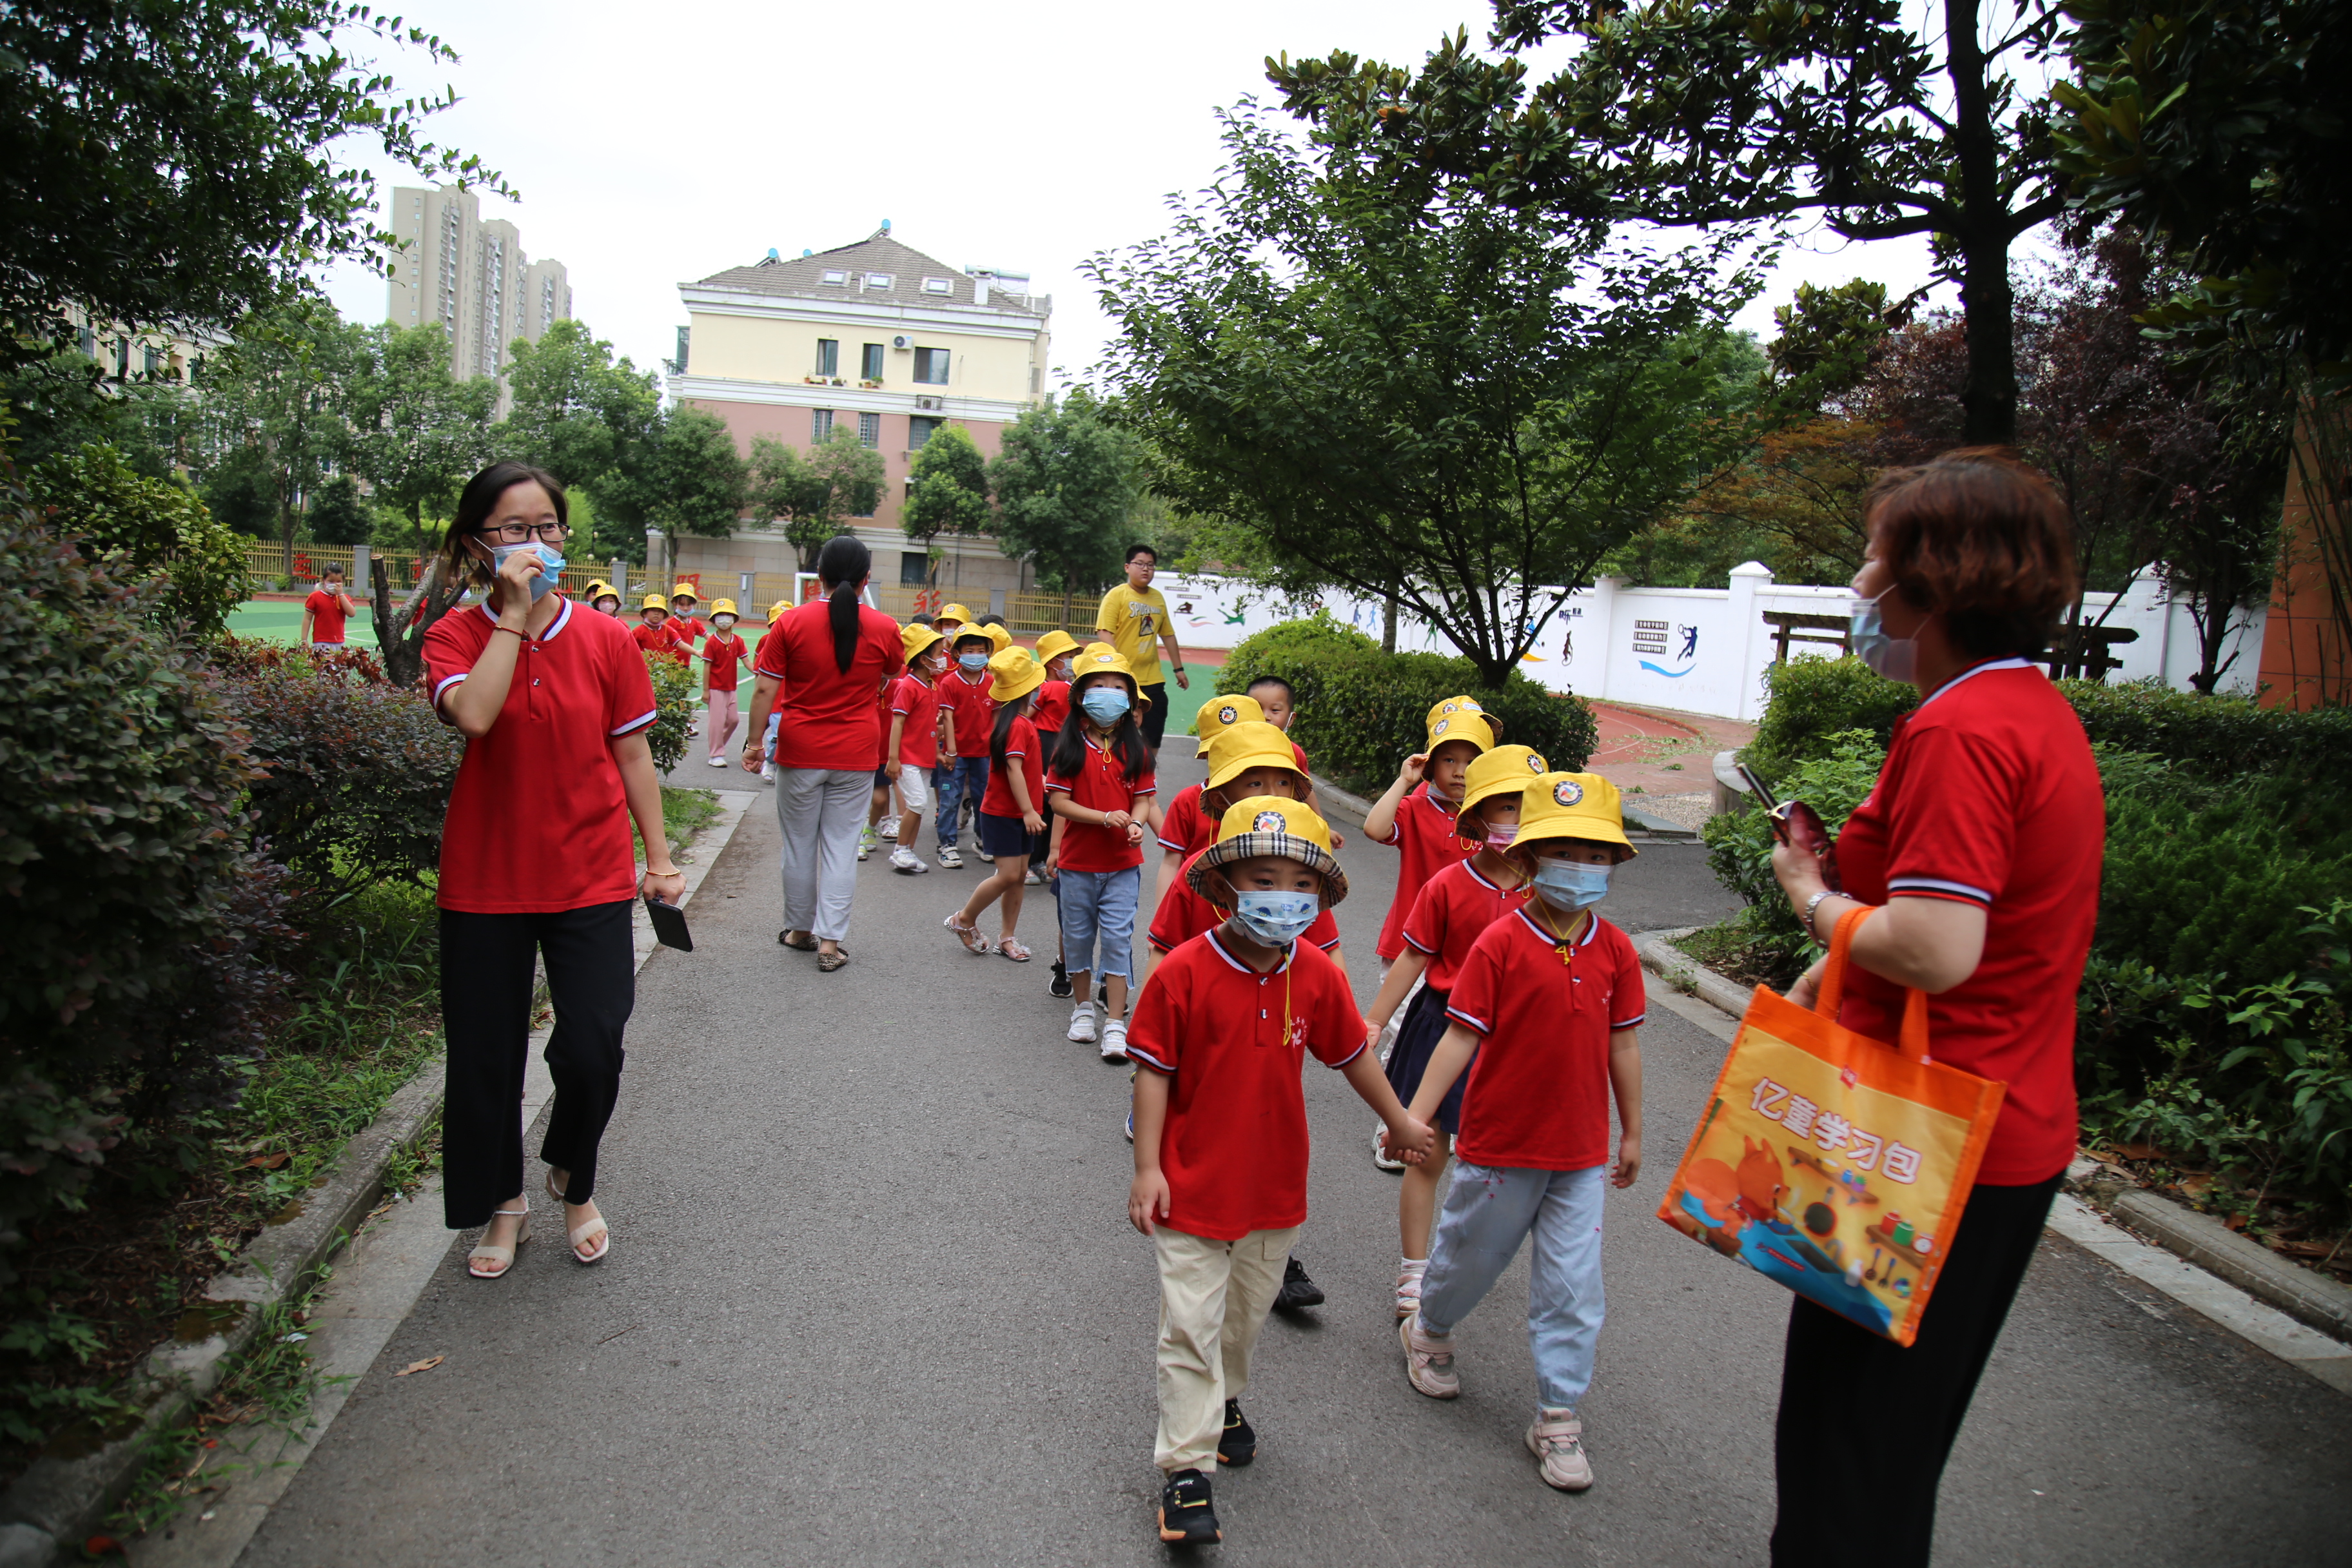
(1264, 824)
(1506, 770)
(916, 640)
(951, 612)
(966, 632)
(1016, 675)
(1447, 707)
(1572, 805)
(1101, 658)
(724, 607)
(1221, 713)
(1251, 744)
(655, 602)
(1000, 635)
(776, 611)
(597, 587)
(1461, 726)
(1054, 645)
(685, 591)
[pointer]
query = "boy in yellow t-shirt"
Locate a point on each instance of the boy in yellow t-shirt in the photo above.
(1134, 620)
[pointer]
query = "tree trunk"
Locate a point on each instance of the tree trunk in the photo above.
(1989, 401)
(1387, 626)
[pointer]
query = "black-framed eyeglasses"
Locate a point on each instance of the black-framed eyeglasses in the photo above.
(521, 532)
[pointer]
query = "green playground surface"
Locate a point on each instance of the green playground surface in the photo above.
(280, 620)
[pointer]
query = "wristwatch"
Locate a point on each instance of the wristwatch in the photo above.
(1812, 906)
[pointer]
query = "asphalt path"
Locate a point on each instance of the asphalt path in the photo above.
(873, 1298)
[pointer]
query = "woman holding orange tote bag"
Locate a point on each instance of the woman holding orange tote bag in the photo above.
(1979, 847)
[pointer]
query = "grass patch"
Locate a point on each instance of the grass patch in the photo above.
(685, 813)
(1736, 952)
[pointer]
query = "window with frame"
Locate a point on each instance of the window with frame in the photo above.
(914, 569)
(931, 366)
(869, 429)
(879, 281)
(938, 286)
(820, 424)
(835, 279)
(920, 429)
(869, 365)
(828, 356)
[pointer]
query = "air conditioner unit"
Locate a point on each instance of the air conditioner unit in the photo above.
(902, 341)
(931, 403)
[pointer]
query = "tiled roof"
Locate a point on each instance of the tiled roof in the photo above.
(905, 267)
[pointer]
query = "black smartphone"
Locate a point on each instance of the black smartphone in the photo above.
(670, 925)
(1763, 791)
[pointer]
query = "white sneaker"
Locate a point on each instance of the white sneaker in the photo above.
(905, 863)
(950, 856)
(1114, 1040)
(1429, 1361)
(1380, 1155)
(1082, 1024)
(1408, 1289)
(889, 828)
(718, 762)
(767, 772)
(1557, 1438)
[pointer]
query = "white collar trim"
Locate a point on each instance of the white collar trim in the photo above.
(1974, 671)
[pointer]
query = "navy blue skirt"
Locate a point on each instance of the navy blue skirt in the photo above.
(1425, 1025)
(1002, 836)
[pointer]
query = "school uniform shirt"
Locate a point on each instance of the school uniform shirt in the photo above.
(1538, 1098)
(537, 819)
(689, 628)
(1425, 844)
(726, 653)
(1102, 784)
(1185, 827)
(327, 615)
(1021, 751)
(657, 639)
(1231, 1042)
(919, 740)
(974, 710)
(1133, 622)
(1989, 796)
(831, 717)
(1184, 914)
(1050, 706)
(1450, 916)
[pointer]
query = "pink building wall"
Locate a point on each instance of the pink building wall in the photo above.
(790, 424)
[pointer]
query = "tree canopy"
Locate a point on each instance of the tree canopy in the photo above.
(416, 433)
(816, 491)
(947, 487)
(1066, 483)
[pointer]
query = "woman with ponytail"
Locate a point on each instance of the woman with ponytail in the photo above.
(830, 659)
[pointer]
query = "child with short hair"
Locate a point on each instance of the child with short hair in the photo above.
(722, 655)
(1099, 781)
(1221, 1141)
(1550, 1001)
(653, 632)
(912, 749)
(1050, 705)
(325, 611)
(1448, 916)
(1184, 829)
(963, 693)
(1010, 814)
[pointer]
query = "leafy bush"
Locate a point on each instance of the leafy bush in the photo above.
(356, 771)
(138, 927)
(1812, 701)
(674, 690)
(145, 527)
(1362, 711)
(2220, 737)
(1774, 944)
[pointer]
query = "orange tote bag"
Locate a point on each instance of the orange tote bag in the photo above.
(1832, 1162)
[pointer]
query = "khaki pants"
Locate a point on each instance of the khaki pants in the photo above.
(1214, 1299)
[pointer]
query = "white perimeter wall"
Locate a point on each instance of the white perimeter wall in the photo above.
(1702, 650)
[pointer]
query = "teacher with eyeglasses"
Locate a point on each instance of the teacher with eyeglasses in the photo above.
(536, 861)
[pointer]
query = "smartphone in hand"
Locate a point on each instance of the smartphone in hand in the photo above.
(1794, 822)
(670, 925)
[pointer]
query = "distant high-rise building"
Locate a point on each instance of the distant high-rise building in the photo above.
(471, 277)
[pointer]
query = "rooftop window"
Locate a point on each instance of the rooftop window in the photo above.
(879, 281)
(939, 286)
(834, 278)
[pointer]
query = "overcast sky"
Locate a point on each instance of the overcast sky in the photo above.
(656, 145)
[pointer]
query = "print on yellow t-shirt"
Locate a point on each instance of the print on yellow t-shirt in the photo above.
(1133, 622)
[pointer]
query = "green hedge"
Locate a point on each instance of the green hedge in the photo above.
(1812, 702)
(1362, 711)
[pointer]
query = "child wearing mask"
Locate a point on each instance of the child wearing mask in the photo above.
(722, 655)
(963, 693)
(1550, 1002)
(652, 632)
(1221, 1142)
(1052, 703)
(1448, 916)
(913, 748)
(1099, 782)
(1011, 813)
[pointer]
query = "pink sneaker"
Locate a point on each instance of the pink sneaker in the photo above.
(1428, 1360)
(1558, 1439)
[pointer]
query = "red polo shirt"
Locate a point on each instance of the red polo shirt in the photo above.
(1103, 785)
(918, 739)
(1423, 835)
(657, 639)
(537, 821)
(1186, 828)
(1231, 1042)
(689, 628)
(327, 615)
(832, 716)
(1989, 796)
(1021, 752)
(1184, 914)
(1050, 706)
(975, 712)
(726, 654)
(1452, 914)
(1537, 1098)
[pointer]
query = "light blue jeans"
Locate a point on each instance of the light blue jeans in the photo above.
(955, 777)
(1488, 1210)
(1099, 910)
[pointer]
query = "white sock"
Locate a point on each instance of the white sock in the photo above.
(1412, 1265)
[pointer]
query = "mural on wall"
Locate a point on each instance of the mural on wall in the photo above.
(1651, 637)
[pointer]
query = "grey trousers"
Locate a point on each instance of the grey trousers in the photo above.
(821, 811)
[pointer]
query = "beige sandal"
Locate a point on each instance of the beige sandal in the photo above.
(579, 1234)
(503, 1257)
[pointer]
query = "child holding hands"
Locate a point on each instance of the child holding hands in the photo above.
(1011, 813)
(1221, 1144)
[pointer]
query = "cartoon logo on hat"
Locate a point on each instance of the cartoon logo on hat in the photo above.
(1567, 791)
(1440, 726)
(1267, 822)
(1448, 706)
(1228, 713)
(1535, 764)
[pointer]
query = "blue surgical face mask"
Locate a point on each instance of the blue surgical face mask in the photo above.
(1569, 887)
(1275, 919)
(552, 563)
(1104, 704)
(974, 662)
(1896, 658)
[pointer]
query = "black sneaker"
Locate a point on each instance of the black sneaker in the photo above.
(1238, 1444)
(1297, 1290)
(1061, 986)
(1102, 991)
(1186, 1515)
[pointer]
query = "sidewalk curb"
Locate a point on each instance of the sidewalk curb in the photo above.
(56, 1503)
(2293, 1314)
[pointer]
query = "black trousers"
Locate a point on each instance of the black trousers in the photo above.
(1867, 1424)
(486, 983)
